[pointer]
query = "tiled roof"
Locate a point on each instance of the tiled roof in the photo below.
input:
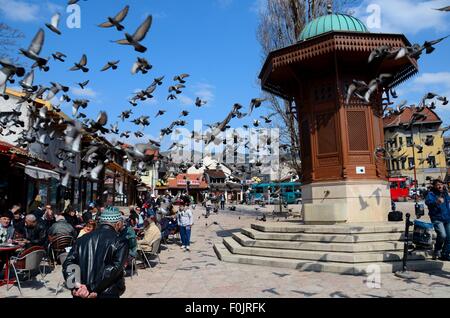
(406, 115)
(215, 173)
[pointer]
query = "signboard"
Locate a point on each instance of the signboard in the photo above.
(183, 182)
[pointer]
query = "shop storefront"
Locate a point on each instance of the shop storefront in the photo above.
(21, 183)
(121, 185)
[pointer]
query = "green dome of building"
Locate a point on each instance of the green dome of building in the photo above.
(332, 22)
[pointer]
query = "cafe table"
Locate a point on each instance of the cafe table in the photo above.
(6, 250)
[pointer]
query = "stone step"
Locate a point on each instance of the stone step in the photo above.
(338, 257)
(313, 237)
(319, 246)
(341, 268)
(289, 227)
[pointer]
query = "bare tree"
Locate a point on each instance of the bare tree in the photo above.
(281, 23)
(9, 38)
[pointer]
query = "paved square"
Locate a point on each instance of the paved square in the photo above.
(199, 273)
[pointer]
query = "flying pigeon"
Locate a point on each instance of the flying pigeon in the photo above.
(141, 65)
(111, 64)
(180, 78)
(81, 65)
(138, 36)
(255, 103)
(53, 25)
(199, 102)
(35, 49)
(116, 20)
(59, 56)
(83, 84)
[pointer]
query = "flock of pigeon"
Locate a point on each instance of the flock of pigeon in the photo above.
(364, 91)
(96, 154)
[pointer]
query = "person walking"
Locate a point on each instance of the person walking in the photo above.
(101, 257)
(438, 201)
(222, 201)
(185, 220)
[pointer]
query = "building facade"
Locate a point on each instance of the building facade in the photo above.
(415, 149)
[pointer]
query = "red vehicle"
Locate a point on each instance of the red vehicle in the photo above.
(399, 189)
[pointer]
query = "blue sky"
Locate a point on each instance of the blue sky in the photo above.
(213, 40)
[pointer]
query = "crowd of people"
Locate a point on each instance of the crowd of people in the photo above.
(105, 239)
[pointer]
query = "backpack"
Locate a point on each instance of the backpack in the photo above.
(395, 216)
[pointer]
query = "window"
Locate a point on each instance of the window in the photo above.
(395, 165)
(400, 141)
(409, 141)
(395, 143)
(403, 164)
(410, 162)
(432, 161)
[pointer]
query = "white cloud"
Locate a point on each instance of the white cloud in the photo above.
(185, 100)
(205, 91)
(19, 10)
(53, 7)
(404, 16)
(438, 83)
(150, 101)
(440, 78)
(87, 92)
(23, 11)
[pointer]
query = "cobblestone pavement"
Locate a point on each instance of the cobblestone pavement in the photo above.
(200, 274)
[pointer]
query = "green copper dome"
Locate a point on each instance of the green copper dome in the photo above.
(332, 22)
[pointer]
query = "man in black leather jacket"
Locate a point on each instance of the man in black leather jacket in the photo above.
(101, 256)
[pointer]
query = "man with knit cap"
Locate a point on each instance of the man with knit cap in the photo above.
(98, 260)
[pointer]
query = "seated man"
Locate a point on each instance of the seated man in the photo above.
(72, 218)
(151, 234)
(6, 229)
(19, 220)
(61, 228)
(6, 233)
(129, 234)
(34, 233)
(48, 218)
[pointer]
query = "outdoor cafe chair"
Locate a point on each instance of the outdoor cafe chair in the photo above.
(154, 251)
(27, 263)
(59, 245)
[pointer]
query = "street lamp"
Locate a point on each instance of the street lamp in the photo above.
(419, 209)
(155, 175)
